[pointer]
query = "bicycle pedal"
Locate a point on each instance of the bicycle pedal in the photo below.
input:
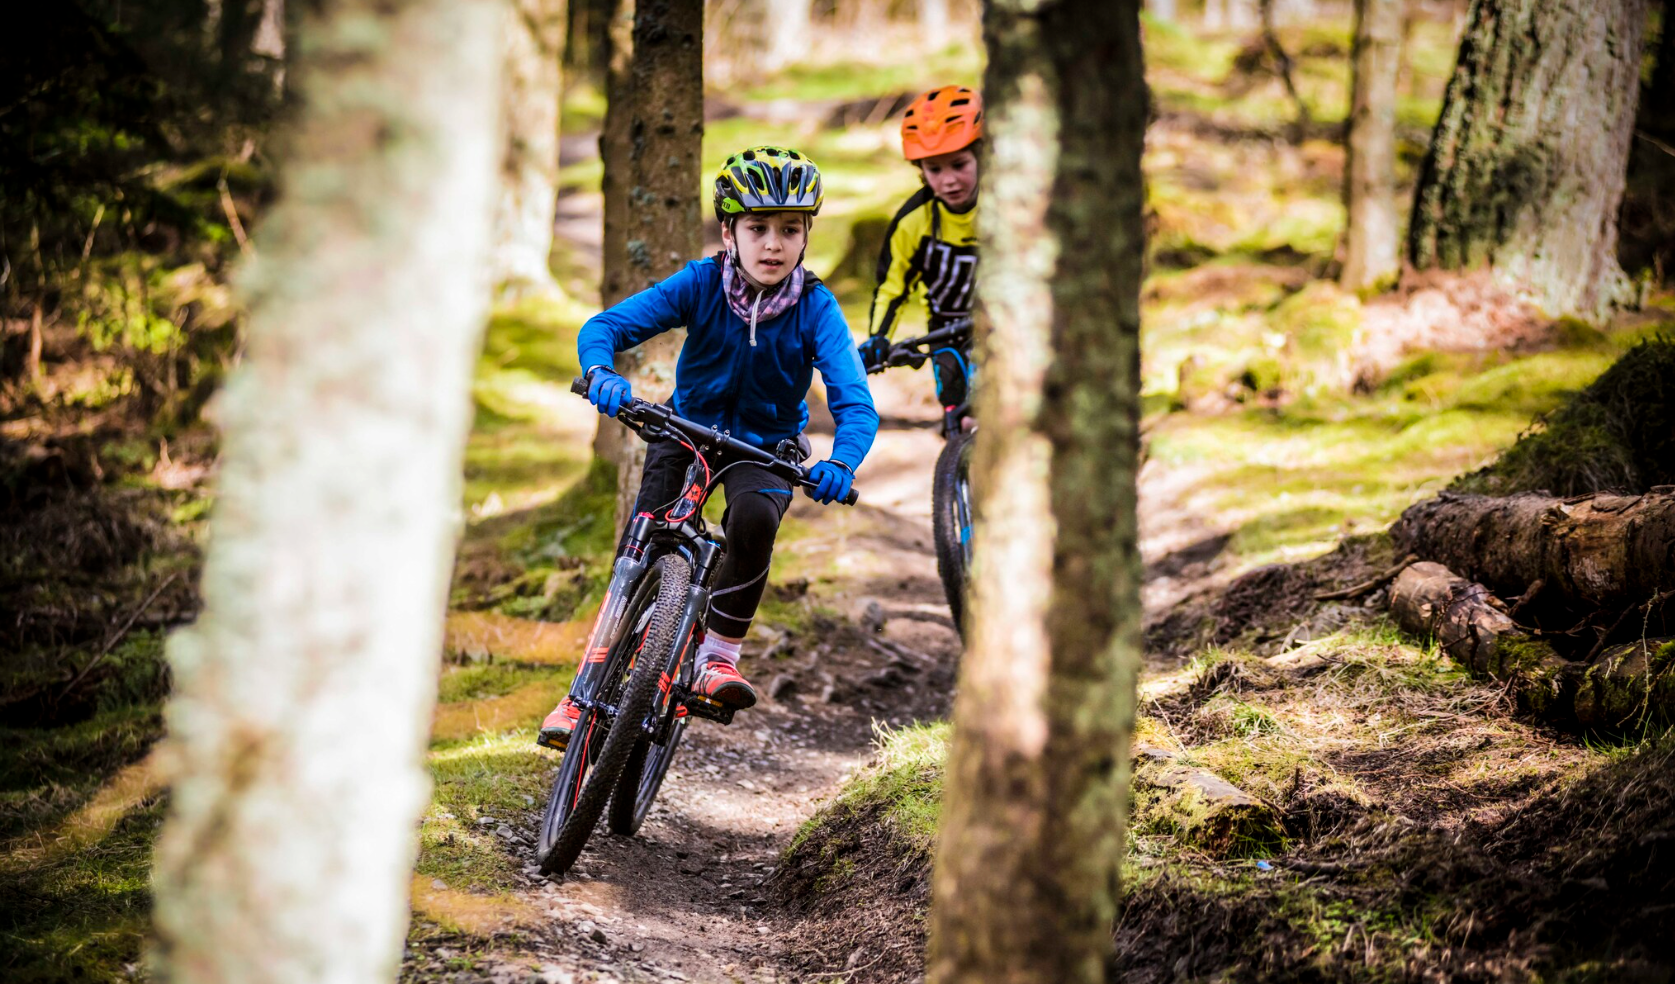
(709, 710)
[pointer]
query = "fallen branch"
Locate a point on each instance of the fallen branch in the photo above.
(1373, 584)
(113, 638)
(1614, 686)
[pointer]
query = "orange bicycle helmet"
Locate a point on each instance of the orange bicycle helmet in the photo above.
(942, 121)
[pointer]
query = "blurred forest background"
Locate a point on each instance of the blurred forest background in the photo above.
(1298, 397)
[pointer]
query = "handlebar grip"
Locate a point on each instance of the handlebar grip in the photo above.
(578, 386)
(853, 497)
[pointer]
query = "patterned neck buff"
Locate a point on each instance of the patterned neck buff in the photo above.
(753, 302)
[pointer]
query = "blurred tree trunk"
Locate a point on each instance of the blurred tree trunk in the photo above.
(790, 31)
(1026, 878)
(1243, 15)
(587, 41)
(933, 22)
(1371, 251)
(611, 441)
(1648, 215)
(1163, 10)
(1527, 164)
(661, 220)
(1215, 15)
(523, 228)
(303, 694)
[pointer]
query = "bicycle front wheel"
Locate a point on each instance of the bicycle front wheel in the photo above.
(951, 522)
(641, 778)
(606, 734)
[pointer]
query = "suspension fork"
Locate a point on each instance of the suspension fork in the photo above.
(670, 686)
(626, 575)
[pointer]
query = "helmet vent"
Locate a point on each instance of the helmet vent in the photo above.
(959, 102)
(750, 155)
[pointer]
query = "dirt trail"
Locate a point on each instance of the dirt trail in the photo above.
(682, 900)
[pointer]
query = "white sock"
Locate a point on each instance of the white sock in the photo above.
(714, 648)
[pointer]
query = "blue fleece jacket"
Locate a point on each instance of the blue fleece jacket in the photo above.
(755, 392)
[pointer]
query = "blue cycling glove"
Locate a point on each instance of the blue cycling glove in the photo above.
(609, 392)
(874, 351)
(831, 482)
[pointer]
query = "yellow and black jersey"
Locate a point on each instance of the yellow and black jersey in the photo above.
(930, 246)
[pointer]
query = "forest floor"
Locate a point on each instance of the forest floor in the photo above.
(1424, 823)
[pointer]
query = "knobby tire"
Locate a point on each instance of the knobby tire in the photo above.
(561, 846)
(953, 468)
(641, 778)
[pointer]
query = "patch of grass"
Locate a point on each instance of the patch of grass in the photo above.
(904, 781)
(83, 915)
(504, 776)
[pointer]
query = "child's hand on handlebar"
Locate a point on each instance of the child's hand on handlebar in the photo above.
(831, 482)
(608, 391)
(874, 351)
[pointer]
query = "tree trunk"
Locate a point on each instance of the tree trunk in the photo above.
(1601, 551)
(523, 226)
(1371, 260)
(661, 224)
(1162, 10)
(1033, 820)
(1526, 167)
(1215, 15)
(611, 441)
(1243, 15)
(790, 31)
(303, 694)
(933, 22)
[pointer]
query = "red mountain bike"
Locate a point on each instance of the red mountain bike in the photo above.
(634, 688)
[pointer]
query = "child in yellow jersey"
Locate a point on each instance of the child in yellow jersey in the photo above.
(932, 241)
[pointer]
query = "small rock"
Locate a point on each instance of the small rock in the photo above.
(554, 974)
(637, 947)
(873, 617)
(486, 821)
(762, 930)
(783, 687)
(438, 883)
(597, 936)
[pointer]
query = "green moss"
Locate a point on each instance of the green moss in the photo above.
(1617, 433)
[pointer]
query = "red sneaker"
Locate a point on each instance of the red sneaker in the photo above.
(556, 729)
(722, 683)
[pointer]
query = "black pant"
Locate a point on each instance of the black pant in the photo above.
(756, 501)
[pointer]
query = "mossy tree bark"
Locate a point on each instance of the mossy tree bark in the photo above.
(1033, 818)
(1371, 255)
(523, 236)
(661, 224)
(610, 441)
(302, 696)
(1526, 167)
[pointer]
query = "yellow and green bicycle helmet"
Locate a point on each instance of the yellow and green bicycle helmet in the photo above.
(767, 179)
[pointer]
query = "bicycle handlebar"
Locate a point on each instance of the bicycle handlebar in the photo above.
(907, 351)
(637, 415)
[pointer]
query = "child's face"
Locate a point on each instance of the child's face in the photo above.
(952, 177)
(769, 243)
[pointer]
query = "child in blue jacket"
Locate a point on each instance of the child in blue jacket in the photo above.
(758, 325)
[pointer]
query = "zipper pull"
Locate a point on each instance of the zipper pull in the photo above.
(753, 306)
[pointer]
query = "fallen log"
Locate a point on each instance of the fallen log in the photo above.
(1622, 685)
(1593, 552)
(1201, 808)
(1470, 626)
